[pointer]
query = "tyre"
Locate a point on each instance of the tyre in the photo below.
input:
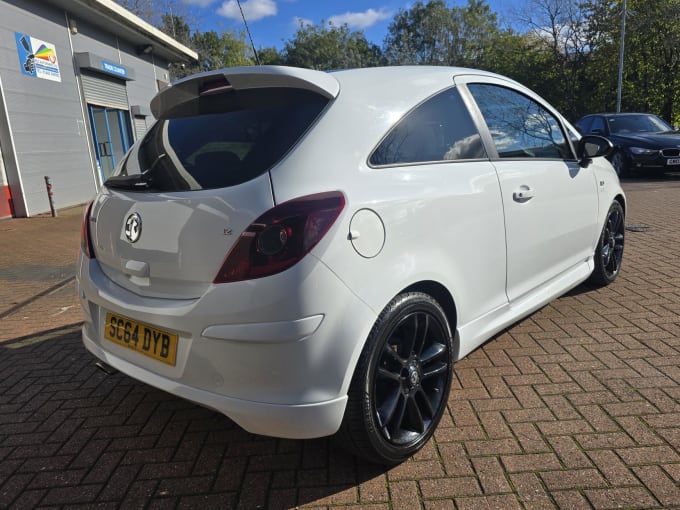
(401, 384)
(620, 164)
(609, 252)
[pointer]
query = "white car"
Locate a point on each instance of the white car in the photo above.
(308, 253)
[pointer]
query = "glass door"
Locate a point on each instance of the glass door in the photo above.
(112, 136)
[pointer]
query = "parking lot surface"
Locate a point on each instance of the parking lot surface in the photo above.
(577, 406)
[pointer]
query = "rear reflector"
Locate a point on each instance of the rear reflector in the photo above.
(85, 237)
(281, 237)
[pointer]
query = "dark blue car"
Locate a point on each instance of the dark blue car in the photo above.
(643, 143)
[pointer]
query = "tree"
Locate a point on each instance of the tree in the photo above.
(514, 55)
(216, 51)
(651, 70)
(653, 57)
(419, 35)
(561, 30)
(435, 34)
(270, 56)
(176, 27)
(327, 47)
(152, 11)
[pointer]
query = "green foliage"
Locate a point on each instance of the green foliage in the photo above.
(216, 51)
(653, 43)
(566, 50)
(327, 47)
(270, 56)
(435, 34)
(176, 27)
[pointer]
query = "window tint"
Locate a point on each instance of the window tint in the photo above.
(637, 124)
(226, 139)
(598, 126)
(583, 125)
(440, 129)
(520, 127)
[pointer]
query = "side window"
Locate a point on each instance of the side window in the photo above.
(519, 126)
(598, 126)
(583, 125)
(440, 129)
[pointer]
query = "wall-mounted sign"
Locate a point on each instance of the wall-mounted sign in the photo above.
(37, 58)
(115, 69)
(93, 62)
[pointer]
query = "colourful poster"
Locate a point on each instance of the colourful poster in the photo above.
(37, 58)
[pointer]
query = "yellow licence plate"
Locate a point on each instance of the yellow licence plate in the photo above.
(153, 342)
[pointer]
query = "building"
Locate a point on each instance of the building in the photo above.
(76, 78)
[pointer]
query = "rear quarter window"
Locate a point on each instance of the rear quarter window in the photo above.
(225, 139)
(439, 129)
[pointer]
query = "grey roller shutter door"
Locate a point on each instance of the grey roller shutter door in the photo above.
(140, 127)
(101, 90)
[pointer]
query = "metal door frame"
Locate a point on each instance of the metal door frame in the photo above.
(124, 128)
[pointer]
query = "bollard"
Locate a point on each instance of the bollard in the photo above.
(50, 196)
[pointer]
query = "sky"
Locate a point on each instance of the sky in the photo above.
(273, 22)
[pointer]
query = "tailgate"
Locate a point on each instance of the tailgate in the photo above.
(165, 221)
(172, 245)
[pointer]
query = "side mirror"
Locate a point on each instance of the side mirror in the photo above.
(592, 146)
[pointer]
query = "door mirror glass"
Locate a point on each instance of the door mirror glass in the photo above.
(592, 146)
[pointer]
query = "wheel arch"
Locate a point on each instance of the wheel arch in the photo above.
(439, 293)
(621, 200)
(360, 430)
(442, 295)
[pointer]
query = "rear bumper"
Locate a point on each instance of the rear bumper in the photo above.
(276, 357)
(290, 421)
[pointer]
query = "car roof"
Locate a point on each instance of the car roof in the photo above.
(411, 73)
(619, 114)
(410, 79)
(368, 83)
(399, 88)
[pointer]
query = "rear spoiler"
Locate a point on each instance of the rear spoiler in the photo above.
(246, 77)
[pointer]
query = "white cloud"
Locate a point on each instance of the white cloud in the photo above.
(252, 9)
(199, 3)
(360, 20)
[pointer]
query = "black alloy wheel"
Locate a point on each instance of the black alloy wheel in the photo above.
(409, 380)
(609, 252)
(401, 385)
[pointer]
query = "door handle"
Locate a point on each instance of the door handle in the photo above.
(523, 194)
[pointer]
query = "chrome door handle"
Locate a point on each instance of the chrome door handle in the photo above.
(523, 194)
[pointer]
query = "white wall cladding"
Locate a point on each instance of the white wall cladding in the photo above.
(50, 132)
(45, 116)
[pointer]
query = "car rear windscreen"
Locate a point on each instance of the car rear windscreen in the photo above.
(219, 140)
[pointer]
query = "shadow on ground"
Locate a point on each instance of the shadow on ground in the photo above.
(71, 434)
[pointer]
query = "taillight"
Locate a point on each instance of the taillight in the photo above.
(85, 238)
(281, 237)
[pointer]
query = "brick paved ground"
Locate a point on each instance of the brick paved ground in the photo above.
(577, 406)
(37, 258)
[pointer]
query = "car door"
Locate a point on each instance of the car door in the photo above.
(549, 200)
(436, 193)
